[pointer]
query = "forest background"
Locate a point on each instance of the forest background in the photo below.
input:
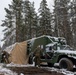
(22, 21)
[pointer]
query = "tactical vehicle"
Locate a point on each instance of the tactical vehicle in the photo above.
(54, 50)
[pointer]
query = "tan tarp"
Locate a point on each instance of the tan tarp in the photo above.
(18, 54)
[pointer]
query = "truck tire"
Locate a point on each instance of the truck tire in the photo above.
(66, 64)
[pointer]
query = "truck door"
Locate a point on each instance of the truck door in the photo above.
(49, 52)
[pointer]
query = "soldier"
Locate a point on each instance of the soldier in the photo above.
(5, 57)
(37, 54)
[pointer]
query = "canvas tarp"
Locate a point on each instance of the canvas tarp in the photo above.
(18, 53)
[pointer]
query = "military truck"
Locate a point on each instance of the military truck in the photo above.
(54, 50)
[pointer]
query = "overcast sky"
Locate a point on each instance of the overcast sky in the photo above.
(4, 3)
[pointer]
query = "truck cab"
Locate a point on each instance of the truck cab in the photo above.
(64, 55)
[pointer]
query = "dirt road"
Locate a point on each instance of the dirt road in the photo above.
(33, 71)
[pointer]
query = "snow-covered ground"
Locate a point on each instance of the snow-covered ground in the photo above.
(65, 72)
(6, 71)
(17, 65)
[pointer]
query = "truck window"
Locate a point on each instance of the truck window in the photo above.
(50, 48)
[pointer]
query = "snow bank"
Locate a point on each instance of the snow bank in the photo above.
(63, 71)
(21, 74)
(18, 65)
(66, 51)
(6, 71)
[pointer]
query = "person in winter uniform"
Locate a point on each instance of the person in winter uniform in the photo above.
(37, 54)
(5, 57)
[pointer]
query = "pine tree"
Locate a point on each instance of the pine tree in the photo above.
(73, 21)
(9, 34)
(20, 22)
(17, 11)
(34, 21)
(13, 23)
(44, 19)
(30, 19)
(63, 28)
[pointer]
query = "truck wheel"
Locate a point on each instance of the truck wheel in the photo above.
(66, 64)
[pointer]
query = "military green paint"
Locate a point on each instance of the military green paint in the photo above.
(40, 41)
(44, 40)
